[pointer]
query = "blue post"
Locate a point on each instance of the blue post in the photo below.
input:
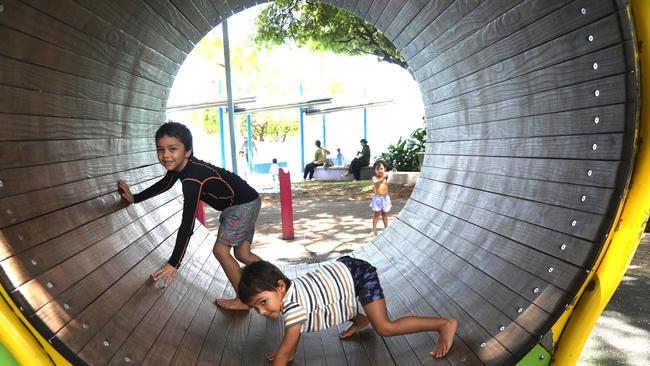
(365, 123)
(249, 126)
(324, 132)
(302, 136)
(221, 133)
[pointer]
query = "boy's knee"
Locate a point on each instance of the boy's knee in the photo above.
(245, 258)
(384, 329)
(220, 250)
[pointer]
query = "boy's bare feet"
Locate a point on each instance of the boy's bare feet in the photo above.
(231, 304)
(445, 338)
(358, 323)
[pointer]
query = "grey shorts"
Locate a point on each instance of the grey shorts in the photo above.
(237, 223)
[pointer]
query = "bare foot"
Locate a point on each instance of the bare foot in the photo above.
(231, 304)
(358, 323)
(373, 232)
(445, 338)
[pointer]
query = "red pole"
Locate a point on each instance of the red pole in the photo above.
(286, 206)
(200, 213)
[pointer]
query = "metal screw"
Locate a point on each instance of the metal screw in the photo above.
(541, 357)
(583, 11)
(589, 172)
(563, 246)
(583, 198)
(594, 147)
(49, 285)
(127, 359)
(520, 310)
(573, 223)
(595, 65)
(106, 344)
(596, 120)
(84, 326)
(9, 211)
(21, 308)
(597, 92)
(34, 263)
(2, 184)
(20, 237)
(536, 290)
(66, 306)
(483, 345)
(502, 328)
(590, 38)
(2, 8)
(550, 269)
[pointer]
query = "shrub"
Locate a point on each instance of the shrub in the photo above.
(403, 155)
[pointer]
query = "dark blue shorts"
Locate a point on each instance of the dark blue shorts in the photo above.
(366, 281)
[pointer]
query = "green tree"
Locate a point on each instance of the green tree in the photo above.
(274, 126)
(322, 27)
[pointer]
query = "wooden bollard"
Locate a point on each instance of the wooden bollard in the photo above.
(286, 205)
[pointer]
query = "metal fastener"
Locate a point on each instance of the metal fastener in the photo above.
(20, 237)
(520, 310)
(594, 146)
(583, 198)
(550, 269)
(2, 184)
(563, 246)
(106, 344)
(502, 328)
(596, 120)
(590, 38)
(595, 65)
(596, 92)
(66, 306)
(34, 262)
(9, 211)
(574, 222)
(589, 172)
(84, 326)
(127, 359)
(541, 357)
(583, 11)
(49, 285)
(536, 290)
(2, 8)
(483, 345)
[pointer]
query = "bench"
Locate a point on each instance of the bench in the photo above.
(334, 173)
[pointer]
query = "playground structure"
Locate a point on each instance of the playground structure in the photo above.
(527, 212)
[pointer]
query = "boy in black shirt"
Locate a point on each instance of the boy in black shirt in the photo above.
(219, 188)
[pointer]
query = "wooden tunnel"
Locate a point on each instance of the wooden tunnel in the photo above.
(531, 111)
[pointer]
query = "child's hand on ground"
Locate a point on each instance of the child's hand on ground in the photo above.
(125, 191)
(168, 272)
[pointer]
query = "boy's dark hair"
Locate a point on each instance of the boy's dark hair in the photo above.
(378, 163)
(178, 130)
(275, 160)
(258, 277)
(318, 143)
(363, 141)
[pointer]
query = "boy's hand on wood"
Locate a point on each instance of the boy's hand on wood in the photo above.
(125, 192)
(168, 272)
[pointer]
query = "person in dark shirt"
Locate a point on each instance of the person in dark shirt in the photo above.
(362, 159)
(238, 202)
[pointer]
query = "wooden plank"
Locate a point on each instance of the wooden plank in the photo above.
(168, 341)
(200, 13)
(362, 7)
(529, 24)
(470, 332)
(22, 101)
(608, 62)
(603, 173)
(347, 5)
(456, 23)
(572, 222)
(18, 127)
(424, 18)
(188, 350)
(174, 18)
(142, 321)
(30, 233)
(389, 14)
(30, 153)
(499, 295)
(589, 199)
(149, 27)
(408, 11)
(597, 120)
(58, 197)
(49, 56)
(375, 10)
(254, 346)
(404, 298)
(78, 17)
(62, 35)
(72, 270)
(32, 262)
(21, 180)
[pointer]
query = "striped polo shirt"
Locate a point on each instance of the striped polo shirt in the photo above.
(320, 299)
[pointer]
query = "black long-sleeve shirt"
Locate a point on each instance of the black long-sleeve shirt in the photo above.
(203, 181)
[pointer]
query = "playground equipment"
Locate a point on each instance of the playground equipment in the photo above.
(528, 210)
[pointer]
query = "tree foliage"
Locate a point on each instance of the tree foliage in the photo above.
(322, 27)
(270, 126)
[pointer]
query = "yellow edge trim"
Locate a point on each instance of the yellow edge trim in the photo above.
(626, 232)
(22, 340)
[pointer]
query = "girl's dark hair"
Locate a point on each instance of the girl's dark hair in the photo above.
(258, 277)
(378, 163)
(275, 160)
(178, 130)
(318, 143)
